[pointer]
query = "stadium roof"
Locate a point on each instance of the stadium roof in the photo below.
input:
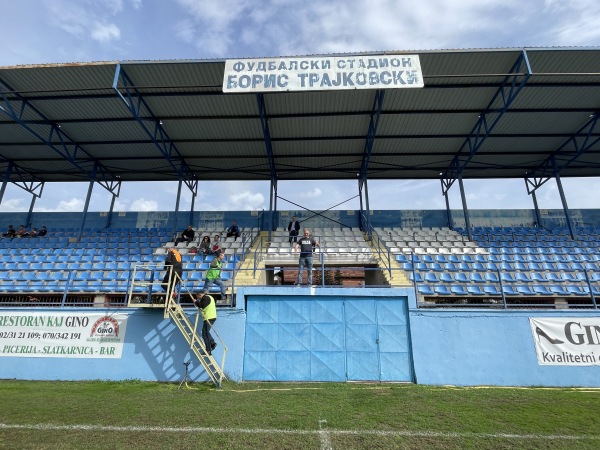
(482, 114)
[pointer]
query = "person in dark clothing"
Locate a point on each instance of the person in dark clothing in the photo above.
(187, 235)
(207, 305)
(43, 231)
(174, 267)
(293, 230)
(10, 233)
(233, 230)
(305, 244)
(205, 246)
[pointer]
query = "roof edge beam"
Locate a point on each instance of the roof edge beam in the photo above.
(488, 119)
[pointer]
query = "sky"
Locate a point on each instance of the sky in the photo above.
(60, 31)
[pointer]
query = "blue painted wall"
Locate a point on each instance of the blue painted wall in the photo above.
(472, 348)
(154, 350)
(462, 347)
(551, 218)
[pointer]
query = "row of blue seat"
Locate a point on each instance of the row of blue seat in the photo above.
(508, 258)
(503, 266)
(505, 277)
(555, 290)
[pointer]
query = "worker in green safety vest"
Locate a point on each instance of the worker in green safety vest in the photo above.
(209, 314)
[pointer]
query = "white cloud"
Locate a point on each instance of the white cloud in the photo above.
(105, 32)
(246, 201)
(13, 204)
(141, 204)
(312, 194)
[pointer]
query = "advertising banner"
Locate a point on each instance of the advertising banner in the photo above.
(323, 73)
(567, 341)
(62, 334)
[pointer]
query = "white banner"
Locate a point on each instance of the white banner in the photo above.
(62, 334)
(567, 341)
(322, 73)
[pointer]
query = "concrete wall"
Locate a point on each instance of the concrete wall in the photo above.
(471, 348)
(462, 347)
(154, 350)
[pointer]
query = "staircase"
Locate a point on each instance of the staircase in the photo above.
(398, 276)
(245, 275)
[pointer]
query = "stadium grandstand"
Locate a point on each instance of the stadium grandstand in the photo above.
(455, 296)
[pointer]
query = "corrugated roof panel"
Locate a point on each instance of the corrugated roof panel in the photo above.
(206, 129)
(319, 127)
(201, 106)
(426, 124)
(184, 76)
(222, 150)
(319, 102)
(317, 148)
(410, 145)
(60, 80)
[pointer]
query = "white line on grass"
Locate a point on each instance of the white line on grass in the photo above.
(324, 436)
(402, 433)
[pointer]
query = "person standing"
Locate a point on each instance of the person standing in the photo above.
(306, 245)
(208, 307)
(213, 275)
(173, 266)
(293, 230)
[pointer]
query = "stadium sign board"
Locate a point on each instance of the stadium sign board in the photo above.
(322, 73)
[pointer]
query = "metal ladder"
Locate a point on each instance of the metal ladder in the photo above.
(174, 311)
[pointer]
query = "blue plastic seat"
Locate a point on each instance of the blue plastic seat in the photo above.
(576, 289)
(476, 277)
(540, 289)
(441, 289)
(507, 278)
(458, 289)
(558, 289)
(491, 289)
(461, 277)
(446, 277)
(524, 289)
(425, 289)
(412, 277)
(475, 289)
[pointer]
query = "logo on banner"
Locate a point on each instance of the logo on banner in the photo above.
(566, 341)
(105, 327)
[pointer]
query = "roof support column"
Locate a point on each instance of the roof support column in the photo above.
(177, 204)
(465, 208)
(367, 213)
(450, 222)
(272, 206)
(29, 213)
(6, 179)
(194, 188)
(536, 209)
(362, 211)
(85, 209)
(563, 200)
(110, 212)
